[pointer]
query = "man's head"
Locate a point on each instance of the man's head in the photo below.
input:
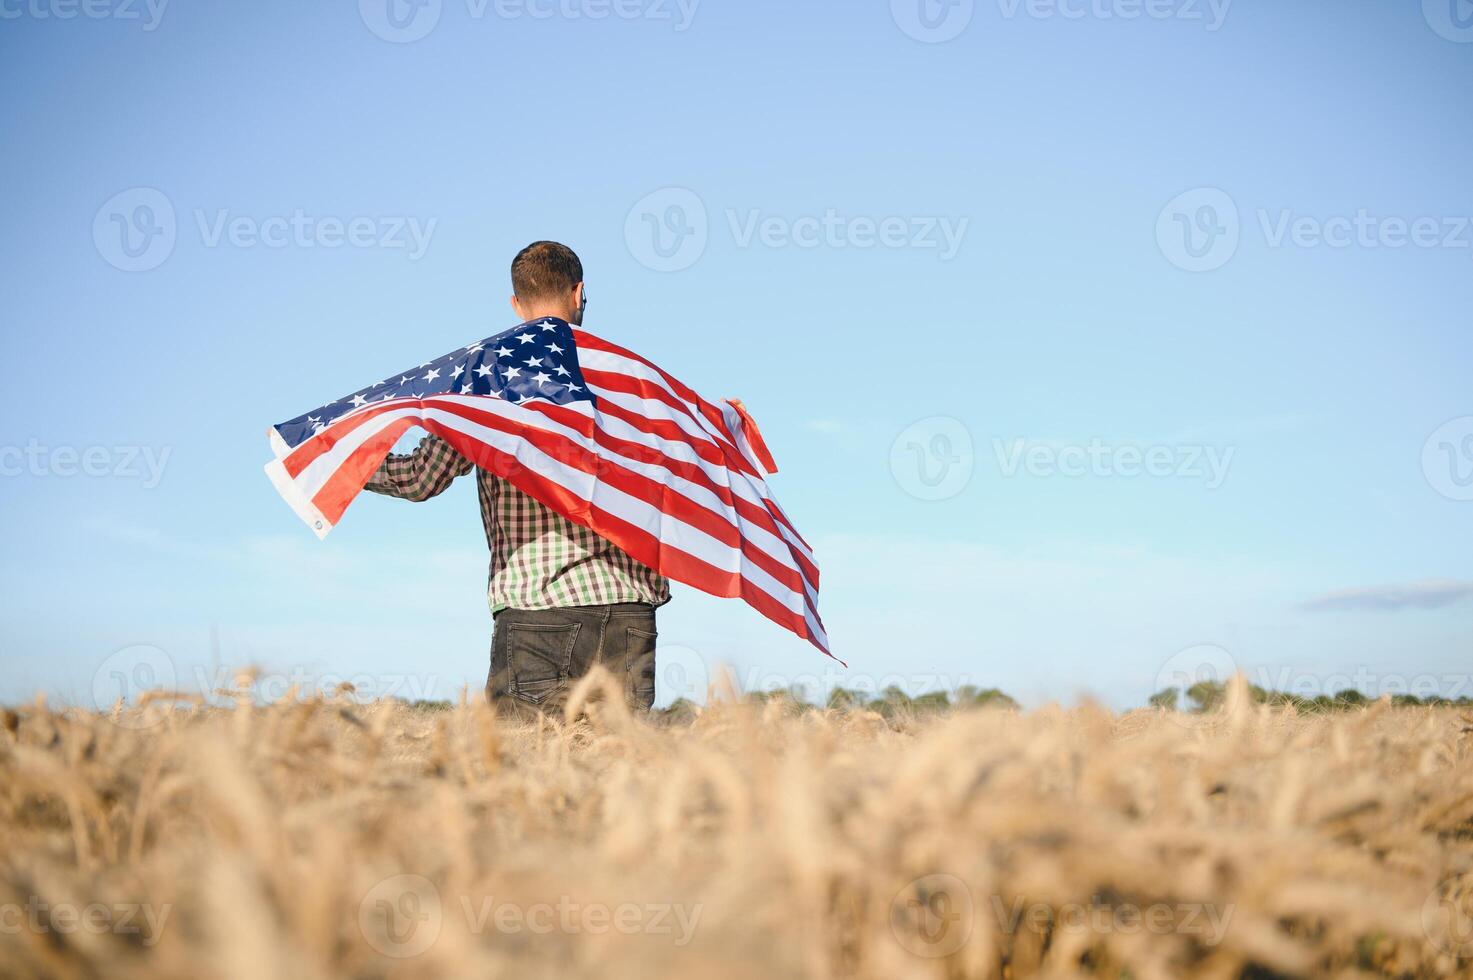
(547, 280)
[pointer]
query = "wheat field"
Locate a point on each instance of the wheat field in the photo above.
(322, 837)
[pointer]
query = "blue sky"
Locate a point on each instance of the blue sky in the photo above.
(1092, 338)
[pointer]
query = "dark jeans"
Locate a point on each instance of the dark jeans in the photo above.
(538, 654)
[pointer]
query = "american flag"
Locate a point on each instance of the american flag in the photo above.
(592, 430)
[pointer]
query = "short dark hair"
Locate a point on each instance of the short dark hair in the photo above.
(545, 269)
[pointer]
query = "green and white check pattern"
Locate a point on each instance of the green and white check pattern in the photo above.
(539, 559)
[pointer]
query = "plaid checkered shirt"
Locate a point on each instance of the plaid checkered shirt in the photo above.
(539, 559)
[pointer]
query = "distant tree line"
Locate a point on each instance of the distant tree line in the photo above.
(892, 701)
(1206, 695)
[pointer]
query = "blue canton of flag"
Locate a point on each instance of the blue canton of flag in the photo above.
(537, 360)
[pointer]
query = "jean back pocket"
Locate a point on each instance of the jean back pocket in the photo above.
(539, 657)
(639, 653)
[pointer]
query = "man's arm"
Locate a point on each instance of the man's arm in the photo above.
(421, 474)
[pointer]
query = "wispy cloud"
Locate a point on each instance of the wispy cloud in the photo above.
(1427, 594)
